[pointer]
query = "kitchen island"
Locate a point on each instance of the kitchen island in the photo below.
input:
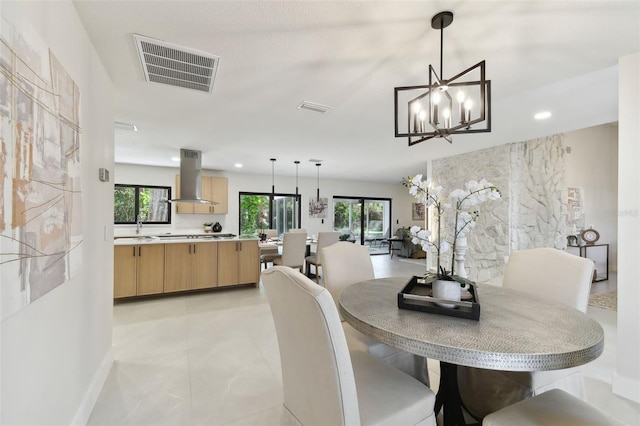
(169, 263)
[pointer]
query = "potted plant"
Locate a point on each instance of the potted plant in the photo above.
(464, 202)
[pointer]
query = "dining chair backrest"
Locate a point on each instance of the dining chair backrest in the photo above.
(344, 264)
(298, 230)
(325, 239)
(552, 274)
(294, 245)
(317, 374)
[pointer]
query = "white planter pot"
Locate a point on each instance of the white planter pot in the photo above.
(449, 290)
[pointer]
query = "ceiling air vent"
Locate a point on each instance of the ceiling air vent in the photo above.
(179, 66)
(310, 106)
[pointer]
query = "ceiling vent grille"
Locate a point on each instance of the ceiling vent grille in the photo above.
(167, 63)
(310, 106)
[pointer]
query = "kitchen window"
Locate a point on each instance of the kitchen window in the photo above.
(150, 202)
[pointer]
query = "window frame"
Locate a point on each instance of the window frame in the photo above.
(271, 196)
(137, 188)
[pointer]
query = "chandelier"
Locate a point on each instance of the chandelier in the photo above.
(444, 107)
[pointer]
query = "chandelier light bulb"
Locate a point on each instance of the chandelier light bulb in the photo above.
(423, 116)
(468, 104)
(446, 114)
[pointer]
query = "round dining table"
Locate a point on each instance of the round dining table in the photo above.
(516, 331)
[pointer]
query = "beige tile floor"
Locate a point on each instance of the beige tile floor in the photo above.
(212, 359)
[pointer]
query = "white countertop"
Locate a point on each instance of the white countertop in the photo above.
(176, 238)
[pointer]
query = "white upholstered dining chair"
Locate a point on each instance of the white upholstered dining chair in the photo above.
(547, 273)
(294, 246)
(344, 264)
(325, 239)
(325, 384)
(298, 230)
(551, 408)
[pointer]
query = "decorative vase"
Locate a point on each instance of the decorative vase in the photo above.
(460, 251)
(449, 290)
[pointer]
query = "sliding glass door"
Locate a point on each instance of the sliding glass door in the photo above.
(364, 221)
(259, 211)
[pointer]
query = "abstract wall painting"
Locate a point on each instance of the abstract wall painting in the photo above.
(575, 209)
(41, 210)
(318, 207)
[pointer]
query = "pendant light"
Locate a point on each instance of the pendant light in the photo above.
(430, 111)
(296, 219)
(296, 163)
(318, 193)
(273, 186)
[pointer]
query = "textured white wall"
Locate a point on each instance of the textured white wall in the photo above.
(533, 177)
(538, 194)
(489, 240)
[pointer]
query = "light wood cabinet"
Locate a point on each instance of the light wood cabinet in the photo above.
(190, 266)
(206, 265)
(213, 188)
(177, 267)
(138, 270)
(144, 269)
(238, 263)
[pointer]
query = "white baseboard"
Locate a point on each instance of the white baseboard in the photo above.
(91, 395)
(626, 387)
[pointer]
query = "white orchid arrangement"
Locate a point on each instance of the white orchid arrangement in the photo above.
(473, 194)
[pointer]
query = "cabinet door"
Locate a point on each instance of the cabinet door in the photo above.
(249, 262)
(178, 265)
(228, 263)
(205, 191)
(150, 269)
(205, 272)
(182, 208)
(124, 271)
(220, 194)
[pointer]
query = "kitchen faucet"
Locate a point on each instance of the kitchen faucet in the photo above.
(138, 224)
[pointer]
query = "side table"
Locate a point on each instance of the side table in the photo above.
(599, 253)
(392, 247)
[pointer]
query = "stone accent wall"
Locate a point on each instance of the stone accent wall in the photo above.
(532, 210)
(538, 194)
(489, 240)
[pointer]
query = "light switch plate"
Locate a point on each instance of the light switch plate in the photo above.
(103, 174)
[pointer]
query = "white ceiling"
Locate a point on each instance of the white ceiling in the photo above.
(559, 56)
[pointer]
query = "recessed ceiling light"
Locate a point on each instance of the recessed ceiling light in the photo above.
(542, 115)
(125, 126)
(312, 106)
(238, 165)
(175, 159)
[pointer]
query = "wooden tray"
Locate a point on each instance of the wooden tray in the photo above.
(417, 296)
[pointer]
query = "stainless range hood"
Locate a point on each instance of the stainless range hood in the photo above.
(190, 188)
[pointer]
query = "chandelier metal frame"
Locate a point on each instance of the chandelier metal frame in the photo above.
(440, 102)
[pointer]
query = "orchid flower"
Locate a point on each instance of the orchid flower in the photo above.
(462, 200)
